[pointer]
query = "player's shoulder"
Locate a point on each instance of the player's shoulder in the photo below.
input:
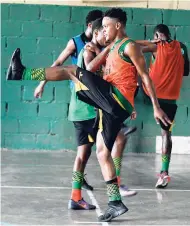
(71, 44)
(131, 45)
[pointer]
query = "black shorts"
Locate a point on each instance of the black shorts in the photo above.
(97, 92)
(169, 108)
(85, 132)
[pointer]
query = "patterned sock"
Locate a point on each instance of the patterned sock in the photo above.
(117, 164)
(77, 181)
(165, 162)
(113, 190)
(34, 74)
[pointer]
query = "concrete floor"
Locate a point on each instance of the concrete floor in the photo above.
(36, 186)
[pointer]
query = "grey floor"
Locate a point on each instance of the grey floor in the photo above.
(36, 187)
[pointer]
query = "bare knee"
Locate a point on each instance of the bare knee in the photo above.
(69, 72)
(121, 139)
(103, 154)
(83, 153)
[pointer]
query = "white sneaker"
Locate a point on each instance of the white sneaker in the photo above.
(125, 192)
(163, 180)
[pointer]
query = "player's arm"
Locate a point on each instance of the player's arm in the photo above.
(134, 52)
(68, 51)
(148, 46)
(88, 57)
(99, 60)
(186, 59)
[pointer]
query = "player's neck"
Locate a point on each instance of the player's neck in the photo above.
(95, 42)
(120, 35)
(88, 34)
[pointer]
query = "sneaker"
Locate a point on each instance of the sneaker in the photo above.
(15, 70)
(113, 211)
(86, 186)
(128, 130)
(163, 180)
(125, 192)
(80, 205)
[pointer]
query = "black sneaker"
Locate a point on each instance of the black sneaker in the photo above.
(115, 209)
(15, 70)
(128, 130)
(86, 186)
(80, 205)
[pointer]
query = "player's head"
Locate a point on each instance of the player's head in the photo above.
(161, 31)
(114, 21)
(92, 16)
(97, 32)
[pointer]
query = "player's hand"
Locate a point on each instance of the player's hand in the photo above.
(133, 115)
(92, 47)
(160, 115)
(38, 92)
(156, 40)
(159, 40)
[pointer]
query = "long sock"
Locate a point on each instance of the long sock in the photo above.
(34, 74)
(165, 162)
(77, 181)
(117, 164)
(113, 190)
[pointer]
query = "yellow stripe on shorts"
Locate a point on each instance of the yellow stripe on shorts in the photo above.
(80, 86)
(172, 125)
(100, 126)
(90, 139)
(118, 101)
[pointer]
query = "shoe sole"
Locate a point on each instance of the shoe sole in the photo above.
(112, 216)
(78, 207)
(119, 213)
(10, 67)
(161, 186)
(129, 195)
(107, 220)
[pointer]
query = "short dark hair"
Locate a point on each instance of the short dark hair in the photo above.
(118, 14)
(93, 15)
(97, 25)
(162, 28)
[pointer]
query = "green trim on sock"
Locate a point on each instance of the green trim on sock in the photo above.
(118, 172)
(76, 185)
(34, 74)
(115, 198)
(165, 162)
(27, 74)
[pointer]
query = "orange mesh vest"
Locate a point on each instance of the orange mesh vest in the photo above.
(167, 70)
(121, 74)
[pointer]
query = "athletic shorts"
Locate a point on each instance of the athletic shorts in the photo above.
(97, 92)
(85, 132)
(169, 108)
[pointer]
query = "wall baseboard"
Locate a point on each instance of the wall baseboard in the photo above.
(181, 145)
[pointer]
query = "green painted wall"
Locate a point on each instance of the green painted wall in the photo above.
(42, 31)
